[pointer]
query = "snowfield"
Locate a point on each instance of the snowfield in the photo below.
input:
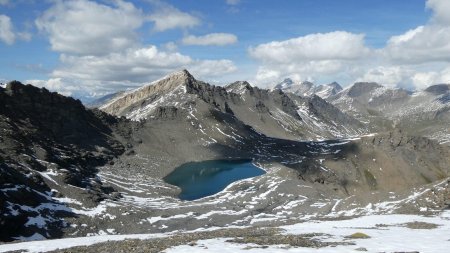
(388, 233)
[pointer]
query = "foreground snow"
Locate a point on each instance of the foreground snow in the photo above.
(388, 233)
(391, 235)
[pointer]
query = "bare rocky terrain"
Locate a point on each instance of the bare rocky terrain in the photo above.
(69, 171)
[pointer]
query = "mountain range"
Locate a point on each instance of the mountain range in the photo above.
(68, 170)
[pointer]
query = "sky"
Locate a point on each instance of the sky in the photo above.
(89, 48)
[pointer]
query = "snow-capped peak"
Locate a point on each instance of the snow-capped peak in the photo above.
(286, 83)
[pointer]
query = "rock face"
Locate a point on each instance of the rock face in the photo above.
(381, 163)
(44, 133)
(423, 112)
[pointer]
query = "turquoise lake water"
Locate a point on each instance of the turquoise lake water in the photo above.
(201, 179)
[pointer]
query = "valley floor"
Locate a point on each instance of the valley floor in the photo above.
(385, 233)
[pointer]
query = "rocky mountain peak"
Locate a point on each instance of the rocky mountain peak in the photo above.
(301, 89)
(307, 84)
(326, 90)
(361, 88)
(176, 81)
(286, 83)
(238, 87)
(335, 85)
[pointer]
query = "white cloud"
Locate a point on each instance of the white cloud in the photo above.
(101, 51)
(167, 17)
(337, 45)
(390, 76)
(6, 30)
(212, 39)
(441, 11)
(88, 28)
(131, 67)
(54, 84)
(428, 43)
(171, 46)
(309, 57)
(415, 59)
(421, 80)
(212, 68)
(8, 34)
(134, 64)
(412, 77)
(4, 2)
(233, 2)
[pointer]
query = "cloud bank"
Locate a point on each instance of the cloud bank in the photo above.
(415, 59)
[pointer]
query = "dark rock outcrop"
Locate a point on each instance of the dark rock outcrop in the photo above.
(44, 132)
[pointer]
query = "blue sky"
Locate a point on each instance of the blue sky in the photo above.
(88, 48)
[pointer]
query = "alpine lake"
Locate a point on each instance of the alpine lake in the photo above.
(200, 179)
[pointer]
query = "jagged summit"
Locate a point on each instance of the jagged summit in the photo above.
(238, 87)
(174, 82)
(326, 90)
(286, 83)
(335, 85)
(301, 89)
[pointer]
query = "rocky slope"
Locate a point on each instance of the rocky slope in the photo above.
(50, 147)
(423, 112)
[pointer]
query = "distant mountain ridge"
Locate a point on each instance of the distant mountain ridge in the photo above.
(425, 112)
(306, 88)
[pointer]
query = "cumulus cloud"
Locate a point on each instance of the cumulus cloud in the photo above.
(423, 79)
(441, 11)
(167, 17)
(323, 54)
(137, 65)
(55, 84)
(102, 53)
(428, 43)
(337, 45)
(6, 30)
(412, 77)
(390, 76)
(88, 28)
(212, 39)
(424, 47)
(415, 59)
(130, 68)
